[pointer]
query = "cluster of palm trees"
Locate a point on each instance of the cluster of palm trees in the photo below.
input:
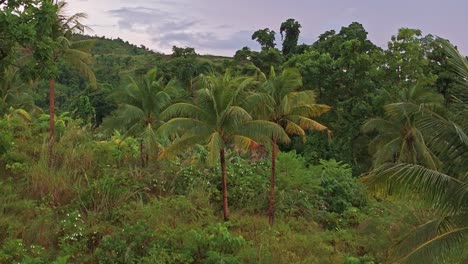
(420, 152)
(225, 111)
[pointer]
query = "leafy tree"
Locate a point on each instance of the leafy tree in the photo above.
(243, 54)
(141, 103)
(216, 119)
(264, 60)
(26, 43)
(19, 20)
(184, 69)
(265, 37)
(317, 70)
(267, 58)
(281, 102)
(406, 62)
(439, 66)
(345, 71)
(183, 52)
(290, 30)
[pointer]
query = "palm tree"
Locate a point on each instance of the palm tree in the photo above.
(216, 119)
(76, 54)
(141, 103)
(398, 138)
(280, 101)
(14, 92)
(445, 188)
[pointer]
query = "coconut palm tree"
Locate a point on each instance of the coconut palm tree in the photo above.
(444, 188)
(141, 103)
(280, 101)
(217, 120)
(398, 138)
(74, 53)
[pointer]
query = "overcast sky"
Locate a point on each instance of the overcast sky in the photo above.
(221, 27)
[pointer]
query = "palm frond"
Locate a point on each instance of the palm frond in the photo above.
(458, 61)
(293, 129)
(308, 124)
(430, 242)
(244, 143)
(378, 125)
(310, 110)
(183, 109)
(234, 116)
(180, 144)
(215, 144)
(179, 124)
(445, 192)
(263, 131)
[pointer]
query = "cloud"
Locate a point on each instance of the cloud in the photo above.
(166, 29)
(130, 17)
(151, 20)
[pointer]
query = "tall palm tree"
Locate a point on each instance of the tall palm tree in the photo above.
(75, 53)
(398, 138)
(280, 101)
(141, 103)
(216, 119)
(445, 188)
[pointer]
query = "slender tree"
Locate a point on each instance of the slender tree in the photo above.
(217, 119)
(290, 30)
(280, 101)
(76, 54)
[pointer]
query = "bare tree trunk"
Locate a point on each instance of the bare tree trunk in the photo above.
(271, 208)
(225, 192)
(51, 121)
(142, 153)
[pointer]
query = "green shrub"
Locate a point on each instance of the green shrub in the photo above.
(106, 195)
(247, 181)
(339, 189)
(297, 186)
(15, 250)
(126, 246)
(172, 211)
(213, 244)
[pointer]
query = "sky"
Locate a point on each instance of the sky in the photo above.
(220, 27)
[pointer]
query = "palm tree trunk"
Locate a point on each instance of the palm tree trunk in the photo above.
(225, 193)
(271, 208)
(51, 120)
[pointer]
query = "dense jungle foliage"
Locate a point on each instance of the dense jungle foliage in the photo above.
(336, 151)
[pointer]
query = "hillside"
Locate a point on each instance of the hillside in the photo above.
(336, 151)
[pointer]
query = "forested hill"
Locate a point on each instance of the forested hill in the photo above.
(120, 55)
(114, 60)
(116, 46)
